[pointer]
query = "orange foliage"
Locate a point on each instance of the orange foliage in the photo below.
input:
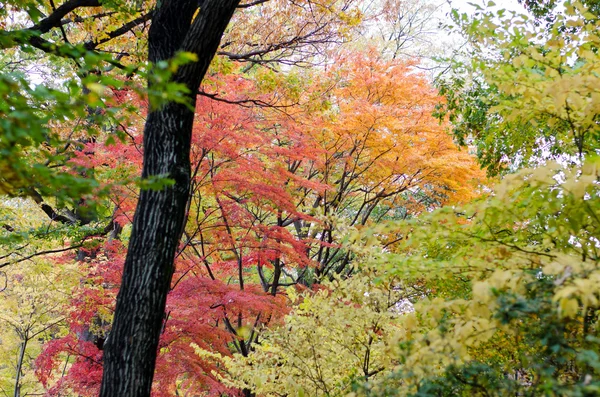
(270, 189)
(378, 130)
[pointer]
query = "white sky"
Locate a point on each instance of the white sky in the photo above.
(463, 5)
(446, 43)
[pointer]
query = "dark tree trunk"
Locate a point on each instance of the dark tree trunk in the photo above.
(131, 348)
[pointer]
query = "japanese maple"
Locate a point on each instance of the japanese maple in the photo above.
(274, 189)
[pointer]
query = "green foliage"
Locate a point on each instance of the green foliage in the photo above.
(530, 322)
(527, 93)
(546, 10)
(26, 112)
(161, 87)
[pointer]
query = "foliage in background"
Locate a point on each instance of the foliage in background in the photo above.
(530, 321)
(333, 337)
(526, 93)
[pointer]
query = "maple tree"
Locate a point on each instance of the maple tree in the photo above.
(260, 189)
(383, 154)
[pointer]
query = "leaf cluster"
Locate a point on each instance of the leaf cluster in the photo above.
(529, 323)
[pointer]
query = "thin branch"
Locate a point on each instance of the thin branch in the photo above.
(90, 45)
(48, 210)
(243, 102)
(55, 19)
(55, 49)
(252, 4)
(62, 29)
(5, 281)
(56, 251)
(79, 19)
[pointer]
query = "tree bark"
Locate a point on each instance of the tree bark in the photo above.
(20, 366)
(131, 348)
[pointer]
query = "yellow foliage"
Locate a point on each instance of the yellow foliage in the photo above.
(333, 337)
(32, 307)
(519, 280)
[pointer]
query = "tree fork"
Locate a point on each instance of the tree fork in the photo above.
(131, 347)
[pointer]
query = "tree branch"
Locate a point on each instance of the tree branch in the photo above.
(54, 19)
(55, 49)
(90, 45)
(48, 210)
(243, 102)
(77, 18)
(56, 251)
(252, 4)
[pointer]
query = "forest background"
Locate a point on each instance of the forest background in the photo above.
(361, 219)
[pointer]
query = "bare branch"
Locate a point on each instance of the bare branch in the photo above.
(56, 251)
(243, 102)
(79, 19)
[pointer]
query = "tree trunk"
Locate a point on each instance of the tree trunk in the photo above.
(131, 347)
(20, 366)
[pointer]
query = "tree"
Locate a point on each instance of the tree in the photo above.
(526, 318)
(507, 295)
(404, 29)
(547, 8)
(383, 153)
(77, 21)
(264, 184)
(332, 338)
(33, 299)
(192, 35)
(130, 352)
(527, 68)
(511, 307)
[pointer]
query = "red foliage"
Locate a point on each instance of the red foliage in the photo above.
(266, 189)
(84, 371)
(241, 186)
